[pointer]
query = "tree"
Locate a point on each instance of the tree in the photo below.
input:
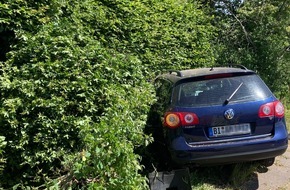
(256, 34)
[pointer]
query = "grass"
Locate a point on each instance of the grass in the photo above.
(227, 177)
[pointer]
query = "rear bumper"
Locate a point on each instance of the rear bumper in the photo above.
(230, 152)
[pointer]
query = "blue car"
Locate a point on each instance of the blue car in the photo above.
(218, 115)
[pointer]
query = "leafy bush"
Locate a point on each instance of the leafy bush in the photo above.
(75, 92)
(108, 158)
(2, 157)
(50, 86)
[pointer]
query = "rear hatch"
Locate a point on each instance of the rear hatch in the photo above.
(227, 108)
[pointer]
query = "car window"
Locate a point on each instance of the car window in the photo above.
(217, 91)
(163, 91)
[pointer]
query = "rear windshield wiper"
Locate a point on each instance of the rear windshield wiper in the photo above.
(231, 96)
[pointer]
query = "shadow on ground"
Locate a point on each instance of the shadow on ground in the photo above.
(232, 177)
(241, 176)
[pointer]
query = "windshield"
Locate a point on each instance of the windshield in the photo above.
(221, 90)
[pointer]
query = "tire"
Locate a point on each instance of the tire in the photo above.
(267, 162)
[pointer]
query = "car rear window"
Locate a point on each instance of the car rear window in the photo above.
(217, 91)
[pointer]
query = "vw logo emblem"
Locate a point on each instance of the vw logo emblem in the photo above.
(229, 114)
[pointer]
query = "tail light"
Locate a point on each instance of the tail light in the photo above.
(279, 109)
(176, 119)
(272, 109)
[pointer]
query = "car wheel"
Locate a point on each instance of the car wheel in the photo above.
(267, 162)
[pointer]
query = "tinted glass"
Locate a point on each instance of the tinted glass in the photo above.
(163, 91)
(217, 91)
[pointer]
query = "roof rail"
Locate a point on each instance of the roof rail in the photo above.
(178, 73)
(238, 66)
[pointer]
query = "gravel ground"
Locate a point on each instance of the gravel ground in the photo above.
(277, 177)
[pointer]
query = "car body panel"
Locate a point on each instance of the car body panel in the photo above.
(242, 150)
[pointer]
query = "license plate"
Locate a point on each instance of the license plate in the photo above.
(230, 130)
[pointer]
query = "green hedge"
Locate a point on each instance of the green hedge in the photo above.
(61, 99)
(75, 88)
(2, 157)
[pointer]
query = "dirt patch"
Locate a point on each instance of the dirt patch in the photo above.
(276, 177)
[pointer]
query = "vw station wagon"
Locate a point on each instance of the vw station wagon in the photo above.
(218, 115)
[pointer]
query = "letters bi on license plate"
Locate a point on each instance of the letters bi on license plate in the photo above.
(230, 130)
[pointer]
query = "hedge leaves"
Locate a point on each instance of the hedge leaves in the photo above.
(75, 86)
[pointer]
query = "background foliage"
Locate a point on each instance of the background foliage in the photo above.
(75, 78)
(256, 34)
